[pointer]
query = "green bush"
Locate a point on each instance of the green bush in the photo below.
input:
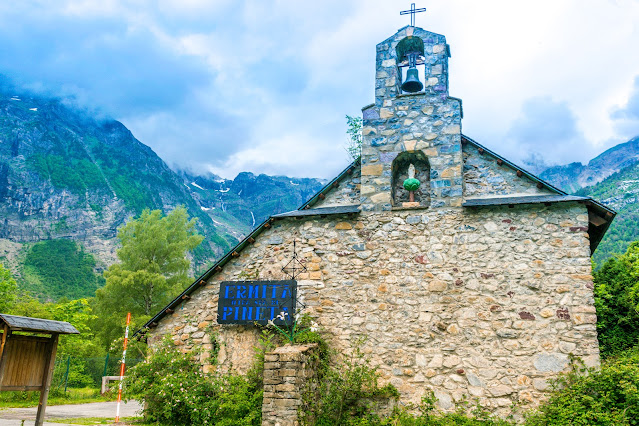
(177, 392)
(616, 302)
(609, 396)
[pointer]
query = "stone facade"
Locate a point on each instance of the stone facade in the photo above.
(484, 302)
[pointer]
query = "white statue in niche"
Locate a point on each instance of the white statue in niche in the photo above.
(411, 184)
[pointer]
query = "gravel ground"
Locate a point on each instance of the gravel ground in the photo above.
(14, 416)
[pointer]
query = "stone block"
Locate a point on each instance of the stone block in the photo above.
(372, 170)
(410, 145)
(553, 362)
(385, 113)
(451, 130)
(344, 226)
(437, 286)
(382, 197)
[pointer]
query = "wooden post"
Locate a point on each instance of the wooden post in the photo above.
(46, 380)
(5, 334)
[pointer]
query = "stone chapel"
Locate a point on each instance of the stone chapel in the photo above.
(467, 275)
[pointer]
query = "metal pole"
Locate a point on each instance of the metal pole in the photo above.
(106, 363)
(66, 376)
(126, 339)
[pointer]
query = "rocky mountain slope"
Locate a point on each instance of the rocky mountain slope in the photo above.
(574, 176)
(65, 174)
(249, 199)
(621, 192)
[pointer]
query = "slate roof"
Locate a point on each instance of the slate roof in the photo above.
(527, 199)
(322, 211)
(18, 323)
(602, 215)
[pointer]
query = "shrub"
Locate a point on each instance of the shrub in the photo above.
(176, 392)
(605, 397)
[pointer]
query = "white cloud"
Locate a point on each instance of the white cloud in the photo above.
(264, 86)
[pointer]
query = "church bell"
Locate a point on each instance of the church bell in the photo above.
(412, 83)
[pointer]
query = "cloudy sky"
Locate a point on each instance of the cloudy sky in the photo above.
(263, 86)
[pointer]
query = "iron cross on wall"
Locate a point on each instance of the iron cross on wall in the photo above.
(412, 12)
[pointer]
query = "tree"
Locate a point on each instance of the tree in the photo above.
(153, 268)
(354, 132)
(8, 289)
(617, 302)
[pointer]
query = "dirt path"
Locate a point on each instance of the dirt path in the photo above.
(14, 416)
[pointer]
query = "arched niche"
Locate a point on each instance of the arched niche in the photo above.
(405, 46)
(401, 164)
(409, 44)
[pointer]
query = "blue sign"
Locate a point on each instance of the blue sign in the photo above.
(248, 302)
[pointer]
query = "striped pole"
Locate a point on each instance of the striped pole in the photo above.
(126, 340)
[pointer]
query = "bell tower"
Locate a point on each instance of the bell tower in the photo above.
(413, 130)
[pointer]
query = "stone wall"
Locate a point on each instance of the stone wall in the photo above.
(484, 177)
(346, 193)
(288, 373)
(484, 303)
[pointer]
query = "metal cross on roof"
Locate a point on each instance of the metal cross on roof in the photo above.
(412, 12)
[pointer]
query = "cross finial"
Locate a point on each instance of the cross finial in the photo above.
(412, 12)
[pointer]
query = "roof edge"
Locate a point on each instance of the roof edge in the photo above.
(248, 240)
(512, 165)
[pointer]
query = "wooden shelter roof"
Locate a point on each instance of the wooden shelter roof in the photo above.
(37, 325)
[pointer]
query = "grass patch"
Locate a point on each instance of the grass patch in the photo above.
(97, 421)
(17, 399)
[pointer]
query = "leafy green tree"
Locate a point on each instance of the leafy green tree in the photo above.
(8, 289)
(153, 268)
(354, 132)
(617, 302)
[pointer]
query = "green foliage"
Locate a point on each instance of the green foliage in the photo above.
(345, 393)
(616, 300)
(75, 173)
(609, 396)
(153, 268)
(76, 312)
(8, 289)
(411, 184)
(176, 392)
(621, 190)
(426, 415)
(61, 268)
(354, 132)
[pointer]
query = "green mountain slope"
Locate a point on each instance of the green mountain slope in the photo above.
(621, 192)
(65, 174)
(68, 177)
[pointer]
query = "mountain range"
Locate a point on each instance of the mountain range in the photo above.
(69, 179)
(66, 174)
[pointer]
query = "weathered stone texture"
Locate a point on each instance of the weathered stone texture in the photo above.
(427, 123)
(485, 303)
(346, 193)
(484, 177)
(288, 373)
